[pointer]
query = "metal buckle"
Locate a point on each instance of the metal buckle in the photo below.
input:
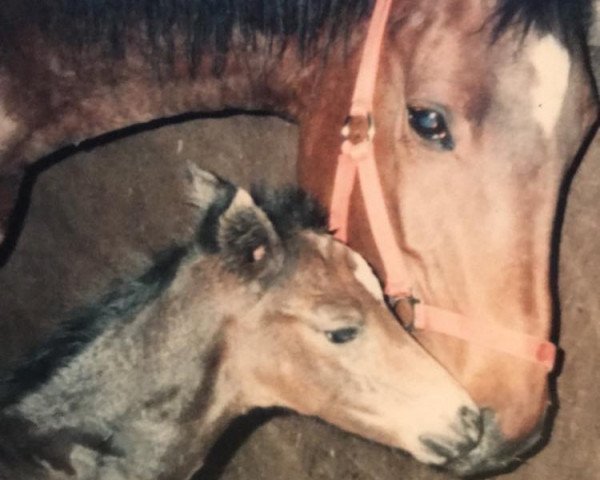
(358, 128)
(411, 301)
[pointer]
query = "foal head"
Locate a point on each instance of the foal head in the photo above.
(306, 328)
(262, 309)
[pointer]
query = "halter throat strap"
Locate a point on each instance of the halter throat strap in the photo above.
(357, 159)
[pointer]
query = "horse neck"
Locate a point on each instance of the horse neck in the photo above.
(126, 402)
(75, 95)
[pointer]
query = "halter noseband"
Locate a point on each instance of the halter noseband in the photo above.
(357, 157)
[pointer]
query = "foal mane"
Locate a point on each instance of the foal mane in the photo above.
(289, 210)
(86, 324)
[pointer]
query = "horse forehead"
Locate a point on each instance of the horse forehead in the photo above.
(444, 52)
(476, 76)
(551, 64)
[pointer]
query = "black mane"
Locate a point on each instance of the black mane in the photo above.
(86, 324)
(206, 25)
(568, 19)
(209, 24)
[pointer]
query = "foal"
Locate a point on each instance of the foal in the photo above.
(262, 309)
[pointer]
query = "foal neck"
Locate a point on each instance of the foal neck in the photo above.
(143, 389)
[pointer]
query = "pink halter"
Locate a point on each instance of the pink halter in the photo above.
(357, 157)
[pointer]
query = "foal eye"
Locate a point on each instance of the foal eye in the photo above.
(342, 335)
(431, 125)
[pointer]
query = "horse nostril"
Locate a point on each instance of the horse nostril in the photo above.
(491, 452)
(472, 423)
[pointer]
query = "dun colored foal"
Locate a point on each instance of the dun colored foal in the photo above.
(261, 309)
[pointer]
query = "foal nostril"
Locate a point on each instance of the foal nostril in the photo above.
(472, 423)
(468, 431)
(449, 449)
(441, 447)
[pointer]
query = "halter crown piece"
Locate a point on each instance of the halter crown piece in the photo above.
(357, 157)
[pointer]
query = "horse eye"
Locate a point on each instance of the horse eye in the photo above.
(342, 335)
(431, 125)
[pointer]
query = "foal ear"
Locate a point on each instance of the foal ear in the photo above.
(247, 240)
(202, 186)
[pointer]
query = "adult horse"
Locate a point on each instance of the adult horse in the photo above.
(479, 109)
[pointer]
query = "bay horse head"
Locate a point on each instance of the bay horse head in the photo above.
(262, 309)
(479, 110)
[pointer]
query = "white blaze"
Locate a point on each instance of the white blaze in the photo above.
(551, 62)
(362, 271)
(364, 274)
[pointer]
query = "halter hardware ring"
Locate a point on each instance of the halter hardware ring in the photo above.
(411, 301)
(359, 128)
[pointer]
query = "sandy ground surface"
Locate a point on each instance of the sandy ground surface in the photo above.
(99, 215)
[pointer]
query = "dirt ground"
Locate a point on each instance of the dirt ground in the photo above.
(99, 215)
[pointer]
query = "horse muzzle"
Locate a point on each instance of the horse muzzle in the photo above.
(494, 454)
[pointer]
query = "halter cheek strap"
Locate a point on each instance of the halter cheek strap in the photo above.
(357, 158)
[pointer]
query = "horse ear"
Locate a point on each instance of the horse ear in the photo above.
(247, 240)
